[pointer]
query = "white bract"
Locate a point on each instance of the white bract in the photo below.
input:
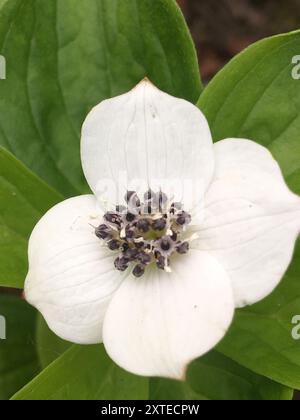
(178, 303)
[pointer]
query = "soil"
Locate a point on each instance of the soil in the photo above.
(222, 28)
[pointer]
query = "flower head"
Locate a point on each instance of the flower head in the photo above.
(144, 232)
(177, 233)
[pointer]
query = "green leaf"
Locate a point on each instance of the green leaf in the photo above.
(24, 198)
(62, 59)
(18, 358)
(49, 346)
(212, 377)
(261, 336)
(84, 373)
(256, 97)
(216, 377)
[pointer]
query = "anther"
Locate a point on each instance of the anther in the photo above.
(143, 225)
(129, 233)
(159, 224)
(183, 248)
(161, 262)
(103, 232)
(112, 217)
(144, 258)
(121, 264)
(183, 218)
(113, 245)
(139, 270)
(130, 217)
(131, 254)
(165, 243)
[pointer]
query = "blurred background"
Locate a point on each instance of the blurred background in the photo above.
(222, 28)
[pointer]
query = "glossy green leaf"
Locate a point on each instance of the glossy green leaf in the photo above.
(216, 377)
(63, 58)
(256, 97)
(261, 336)
(84, 373)
(18, 357)
(49, 346)
(24, 198)
(212, 377)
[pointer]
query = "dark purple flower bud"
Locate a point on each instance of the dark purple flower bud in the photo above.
(143, 225)
(140, 244)
(183, 248)
(121, 264)
(144, 258)
(166, 243)
(113, 245)
(130, 217)
(183, 218)
(161, 262)
(112, 217)
(103, 232)
(159, 224)
(130, 233)
(139, 270)
(125, 247)
(131, 254)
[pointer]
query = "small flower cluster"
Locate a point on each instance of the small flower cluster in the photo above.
(145, 232)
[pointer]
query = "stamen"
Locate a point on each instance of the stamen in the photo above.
(145, 233)
(103, 232)
(121, 264)
(143, 225)
(114, 244)
(138, 270)
(159, 224)
(183, 218)
(183, 248)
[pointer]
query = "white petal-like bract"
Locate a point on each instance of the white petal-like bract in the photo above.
(252, 219)
(71, 274)
(157, 324)
(147, 139)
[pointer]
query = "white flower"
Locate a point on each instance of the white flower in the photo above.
(245, 222)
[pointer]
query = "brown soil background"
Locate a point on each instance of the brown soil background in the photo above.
(222, 28)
